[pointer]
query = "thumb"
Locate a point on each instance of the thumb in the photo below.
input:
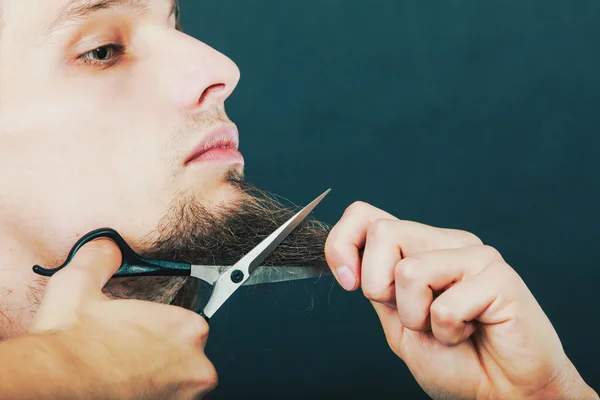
(87, 273)
(89, 270)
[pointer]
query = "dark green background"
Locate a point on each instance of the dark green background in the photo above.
(478, 115)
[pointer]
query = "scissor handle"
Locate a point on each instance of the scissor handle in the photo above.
(132, 264)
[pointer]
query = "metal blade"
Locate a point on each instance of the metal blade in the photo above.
(208, 273)
(262, 274)
(257, 255)
(267, 274)
(229, 282)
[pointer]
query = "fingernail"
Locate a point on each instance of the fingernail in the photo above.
(346, 277)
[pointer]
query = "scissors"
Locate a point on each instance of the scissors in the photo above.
(224, 279)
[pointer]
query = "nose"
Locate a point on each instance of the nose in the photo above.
(204, 76)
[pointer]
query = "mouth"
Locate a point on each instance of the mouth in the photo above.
(221, 145)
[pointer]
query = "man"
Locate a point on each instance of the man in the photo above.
(110, 116)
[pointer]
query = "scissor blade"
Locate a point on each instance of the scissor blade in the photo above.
(208, 273)
(225, 285)
(262, 274)
(271, 274)
(257, 255)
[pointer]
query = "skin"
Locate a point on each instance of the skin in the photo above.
(462, 320)
(86, 144)
(99, 143)
(83, 345)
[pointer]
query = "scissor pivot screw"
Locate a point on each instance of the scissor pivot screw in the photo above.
(237, 276)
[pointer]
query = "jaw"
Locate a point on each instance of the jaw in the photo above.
(19, 302)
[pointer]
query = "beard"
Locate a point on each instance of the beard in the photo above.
(192, 233)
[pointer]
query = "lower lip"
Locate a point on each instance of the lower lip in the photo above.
(230, 156)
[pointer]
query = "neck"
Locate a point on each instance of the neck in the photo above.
(20, 288)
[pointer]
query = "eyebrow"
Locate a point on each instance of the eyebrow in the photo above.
(77, 9)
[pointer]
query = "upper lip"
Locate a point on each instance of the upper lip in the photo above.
(225, 136)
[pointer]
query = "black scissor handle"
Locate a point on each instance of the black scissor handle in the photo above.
(132, 264)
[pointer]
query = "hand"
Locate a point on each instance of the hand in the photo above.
(127, 348)
(462, 320)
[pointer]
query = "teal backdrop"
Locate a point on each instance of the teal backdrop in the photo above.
(478, 115)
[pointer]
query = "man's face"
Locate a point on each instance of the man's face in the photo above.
(102, 102)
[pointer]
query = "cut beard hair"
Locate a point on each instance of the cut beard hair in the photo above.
(193, 234)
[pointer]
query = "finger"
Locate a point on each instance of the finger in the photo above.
(381, 254)
(387, 241)
(347, 238)
(89, 270)
(454, 312)
(349, 235)
(177, 323)
(417, 278)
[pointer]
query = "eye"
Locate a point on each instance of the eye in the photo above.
(102, 53)
(104, 56)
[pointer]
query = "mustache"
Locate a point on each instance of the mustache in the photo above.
(211, 115)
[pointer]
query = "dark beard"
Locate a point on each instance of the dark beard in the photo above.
(193, 234)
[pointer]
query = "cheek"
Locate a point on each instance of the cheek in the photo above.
(91, 128)
(60, 131)
(75, 150)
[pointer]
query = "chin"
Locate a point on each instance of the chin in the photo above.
(227, 188)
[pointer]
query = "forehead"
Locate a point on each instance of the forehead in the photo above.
(25, 21)
(33, 12)
(29, 13)
(32, 18)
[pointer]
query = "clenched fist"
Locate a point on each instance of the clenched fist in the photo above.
(452, 309)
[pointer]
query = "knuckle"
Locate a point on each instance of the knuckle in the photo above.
(466, 238)
(201, 376)
(491, 253)
(408, 271)
(208, 378)
(380, 227)
(189, 326)
(413, 319)
(499, 266)
(443, 315)
(357, 208)
(377, 295)
(197, 325)
(507, 276)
